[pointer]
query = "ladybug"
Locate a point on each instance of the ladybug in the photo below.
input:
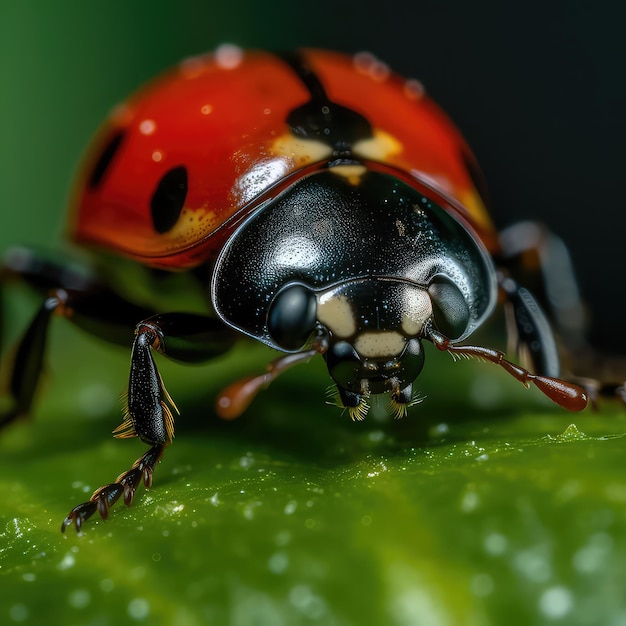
(321, 203)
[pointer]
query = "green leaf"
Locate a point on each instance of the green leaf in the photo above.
(486, 505)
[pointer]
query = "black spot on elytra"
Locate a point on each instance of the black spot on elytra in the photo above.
(105, 158)
(168, 199)
(322, 119)
(329, 122)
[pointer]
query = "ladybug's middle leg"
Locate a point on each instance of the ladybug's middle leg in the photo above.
(83, 298)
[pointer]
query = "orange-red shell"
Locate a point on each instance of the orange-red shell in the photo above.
(223, 117)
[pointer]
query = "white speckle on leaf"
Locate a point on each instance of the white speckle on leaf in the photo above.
(138, 608)
(440, 430)
(278, 563)
(556, 602)
(247, 461)
(19, 613)
(79, 598)
(469, 501)
(482, 585)
(283, 538)
(249, 509)
(533, 563)
(307, 602)
(594, 556)
(495, 544)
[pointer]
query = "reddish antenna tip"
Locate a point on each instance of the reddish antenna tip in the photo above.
(568, 395)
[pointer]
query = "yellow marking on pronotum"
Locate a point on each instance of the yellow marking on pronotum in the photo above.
(335, 312)
(352, 173)
(379, 344)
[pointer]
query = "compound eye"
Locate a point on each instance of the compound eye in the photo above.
(343, 364)
(450, 310)
(292, 317)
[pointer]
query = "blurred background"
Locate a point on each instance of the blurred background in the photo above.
(537, 88)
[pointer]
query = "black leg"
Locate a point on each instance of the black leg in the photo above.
(29, 363)
(101, 312)
(126, 484)
(529, 330)
(150, 409)
(540, 260)
(186, 337)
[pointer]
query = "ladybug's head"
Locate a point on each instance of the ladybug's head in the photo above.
(359, 268)
(369, 331)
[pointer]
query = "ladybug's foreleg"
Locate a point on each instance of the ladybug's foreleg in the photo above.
(186, 337)
(126, 484)
(150, 409)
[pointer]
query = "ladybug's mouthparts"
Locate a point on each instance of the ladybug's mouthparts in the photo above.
(358, 377)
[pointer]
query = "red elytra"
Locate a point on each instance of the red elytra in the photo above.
(223, 117)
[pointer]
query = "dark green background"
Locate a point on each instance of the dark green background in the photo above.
(482, 507)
